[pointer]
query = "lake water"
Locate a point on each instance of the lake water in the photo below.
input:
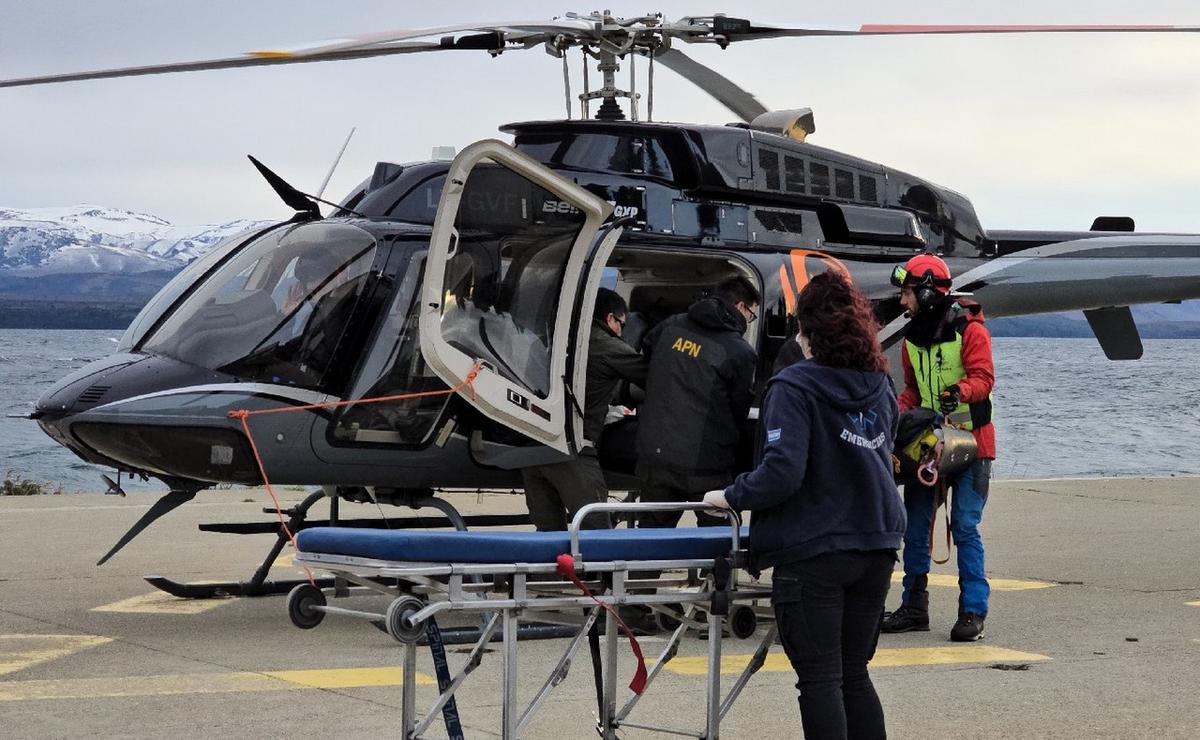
(1062, 409)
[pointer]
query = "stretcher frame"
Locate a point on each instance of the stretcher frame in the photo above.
(504, 594)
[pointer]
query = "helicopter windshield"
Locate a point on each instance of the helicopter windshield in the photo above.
(276, 311)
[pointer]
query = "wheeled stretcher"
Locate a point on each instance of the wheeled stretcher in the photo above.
(571, 577)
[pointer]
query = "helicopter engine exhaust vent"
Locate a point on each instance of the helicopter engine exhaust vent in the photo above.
(94, 393)
(795, 123)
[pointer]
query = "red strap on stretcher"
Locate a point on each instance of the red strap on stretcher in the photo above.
(566, 567)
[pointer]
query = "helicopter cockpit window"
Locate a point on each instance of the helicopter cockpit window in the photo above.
(625, 155)
(505, 274)
(276, 312)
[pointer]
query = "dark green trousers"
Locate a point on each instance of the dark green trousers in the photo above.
(555, 492)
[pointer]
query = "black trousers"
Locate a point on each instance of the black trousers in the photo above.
(555, 492)
(660, 485)
(828, 610)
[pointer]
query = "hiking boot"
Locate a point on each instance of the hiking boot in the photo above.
(968, 628)
(905, 619)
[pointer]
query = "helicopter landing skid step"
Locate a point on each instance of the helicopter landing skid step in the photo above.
(230, 588)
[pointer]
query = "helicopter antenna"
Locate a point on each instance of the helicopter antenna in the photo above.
(336, 160)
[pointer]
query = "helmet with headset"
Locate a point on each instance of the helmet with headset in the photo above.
(927, 274)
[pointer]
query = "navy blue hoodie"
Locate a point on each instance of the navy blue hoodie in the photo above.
(824, 483)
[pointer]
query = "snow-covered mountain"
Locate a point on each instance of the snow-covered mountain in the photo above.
(94, 239)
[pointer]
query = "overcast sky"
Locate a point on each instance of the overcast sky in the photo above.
(1040, 132)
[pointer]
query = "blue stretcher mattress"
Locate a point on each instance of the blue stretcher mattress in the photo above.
(420, 546)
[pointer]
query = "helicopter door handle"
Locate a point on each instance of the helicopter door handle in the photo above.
(452, 244)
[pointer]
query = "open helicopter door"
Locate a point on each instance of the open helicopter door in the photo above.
(514, 265)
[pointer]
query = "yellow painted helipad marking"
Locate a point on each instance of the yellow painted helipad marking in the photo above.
(697, 665)
(951, 654)
(1193, 603)
(159, 602)
(997, 584)
(285, 560)
(348, 678)
(203, 683)
(18, 652)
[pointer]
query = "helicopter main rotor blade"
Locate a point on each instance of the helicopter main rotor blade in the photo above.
(743, 105)
(359, 47)
(619, 34)
(503, 29)
(227, 63)
(733, 29)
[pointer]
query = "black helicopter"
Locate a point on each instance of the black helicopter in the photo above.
(433, 273)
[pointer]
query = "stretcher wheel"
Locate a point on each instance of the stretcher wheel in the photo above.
(301, 604)
(397, 619)
(669, 622)
(742, 622)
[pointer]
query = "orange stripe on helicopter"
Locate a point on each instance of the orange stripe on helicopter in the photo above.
(800, 268)
(789, 293)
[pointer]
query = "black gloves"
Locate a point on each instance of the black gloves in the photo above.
(950, 399)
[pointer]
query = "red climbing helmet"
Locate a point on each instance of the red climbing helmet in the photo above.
(927, 270)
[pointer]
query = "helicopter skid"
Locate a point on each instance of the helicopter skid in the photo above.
(221, 590)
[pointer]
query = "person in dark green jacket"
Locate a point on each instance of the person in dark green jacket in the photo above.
(556, 491)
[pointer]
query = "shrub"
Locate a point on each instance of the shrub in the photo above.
(15, 484)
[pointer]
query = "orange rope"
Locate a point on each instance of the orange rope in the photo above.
(244, 416)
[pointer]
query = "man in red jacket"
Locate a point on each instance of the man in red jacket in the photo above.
(947, 359)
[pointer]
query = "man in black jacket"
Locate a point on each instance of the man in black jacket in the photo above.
(555, 492)
(698, 392)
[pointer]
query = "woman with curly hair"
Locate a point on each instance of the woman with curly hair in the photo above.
(826, 513)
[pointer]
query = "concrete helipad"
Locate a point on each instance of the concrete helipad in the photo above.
(1094, 632)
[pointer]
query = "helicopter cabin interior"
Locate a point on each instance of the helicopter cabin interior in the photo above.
(656, 283)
